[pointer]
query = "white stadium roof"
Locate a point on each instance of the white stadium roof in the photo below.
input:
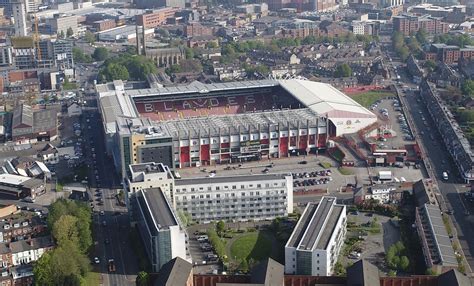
(324, 99)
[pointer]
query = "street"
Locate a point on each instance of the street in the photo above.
(439, 161)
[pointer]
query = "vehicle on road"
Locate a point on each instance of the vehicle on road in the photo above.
(111, 265)
(96, 260)
(445, 176)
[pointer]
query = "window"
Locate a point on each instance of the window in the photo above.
(234, 187)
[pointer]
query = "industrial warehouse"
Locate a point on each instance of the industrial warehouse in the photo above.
(205, 124)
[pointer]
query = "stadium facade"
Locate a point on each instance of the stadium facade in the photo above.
(205, 124)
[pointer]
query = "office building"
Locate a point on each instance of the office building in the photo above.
(19, 16)
(6, 55)
(61, 23)
(162, 235)
(314, 245)
(228, 198)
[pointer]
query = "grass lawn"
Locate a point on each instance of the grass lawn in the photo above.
(345, 171)
(69, 86)
(252, 245)
(326, 165)
(92, 279)
(366, 99)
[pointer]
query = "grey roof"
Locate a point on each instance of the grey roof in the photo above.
(175, 272)
(148, 168)
(440, 235)
(158, 208)
(363, 273)
(316, 226)
(199, 88)
(45, 119)
(22, 114)
(455, 278)
(232, 179)
(268, 273)
(35, 243)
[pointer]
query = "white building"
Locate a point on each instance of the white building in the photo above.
(26, 251)
(125, 33)
(314, 245)
(162, 235)
(358, 27)
(382, 194)
(206, 199)
(19, 16)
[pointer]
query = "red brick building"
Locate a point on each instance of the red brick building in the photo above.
(103, 25)
(155, 18)
(197, 30)
(408, 24)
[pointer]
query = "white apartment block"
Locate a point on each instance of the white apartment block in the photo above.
(206, 199)
(19, 16)
(358, 28)
(317, 239)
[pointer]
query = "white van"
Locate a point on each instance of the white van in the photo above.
(445, 176)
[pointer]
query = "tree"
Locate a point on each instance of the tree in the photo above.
(79, 56)
(228, 50)
(143, 278)
(244, 266)
(430, 65)
(132, 50)
(189, 53)
(100, 54)
(343, 70)
(211, 45)
(220, 227)
(163, 33)
(69, 32)
(89, 37)
(65, 229)
(61, 34)
(404, 263)
(115, 71)
(468, 88)
(422, 36)
(42, 270)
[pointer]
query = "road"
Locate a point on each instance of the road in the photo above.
(440, 161)
(104, 181)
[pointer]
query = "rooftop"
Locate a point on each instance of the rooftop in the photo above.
(8, 179)
(440, 235)
(148, 168)
(159, 210)
(229, 179)
(316, 226)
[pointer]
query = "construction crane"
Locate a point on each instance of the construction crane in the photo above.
(36, 38)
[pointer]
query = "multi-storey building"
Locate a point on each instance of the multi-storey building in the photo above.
(196, 29)
(236, 198)
(449, 54)
(105, 24)
(61, 23)
(6, 55)
(162, 235)
(154, 4)
(155, 18)
(24, 52)
(314, 245)
(408, 24)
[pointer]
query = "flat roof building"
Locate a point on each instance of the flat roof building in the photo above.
(317, 239)
(125, 33)
(163, 236)
(208, 199)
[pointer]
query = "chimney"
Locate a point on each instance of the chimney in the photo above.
(143, 40)
(137, 37)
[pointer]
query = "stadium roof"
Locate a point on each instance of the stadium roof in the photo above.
(324, 99)
(202, 88)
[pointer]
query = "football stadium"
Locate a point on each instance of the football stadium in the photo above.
(204, 124)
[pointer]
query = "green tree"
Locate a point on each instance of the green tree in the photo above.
(89, 37)
(189, 53)
(228, 50)
(467, 88)
(422, 36)
(100, 54)
(115, 71)
(42, 270)
(79, 56)
(211, 45)
(65, 230)
(404, 263)
(69, 32)
(244, 266)
(431, 271)
(143, 278)
(430, 65)
(220, 227)
(163, 33)
(131, 50)
(343, 70)
(61, 34)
